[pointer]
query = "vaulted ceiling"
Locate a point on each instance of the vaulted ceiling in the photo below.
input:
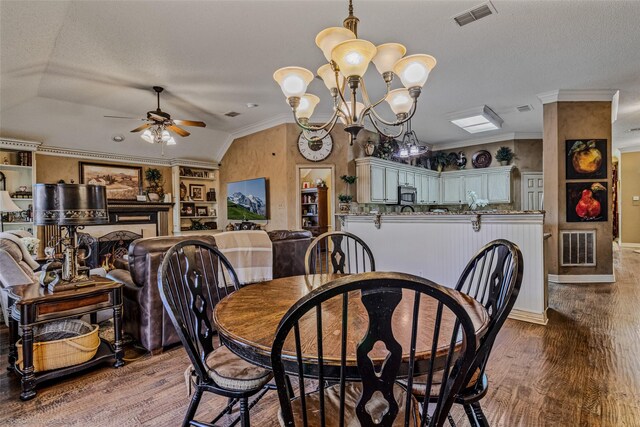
(66, 64)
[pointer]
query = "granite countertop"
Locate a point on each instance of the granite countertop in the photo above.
(483, 212)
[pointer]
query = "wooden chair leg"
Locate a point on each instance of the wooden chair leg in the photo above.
(244, 412)
(475, 415)
(193, 406)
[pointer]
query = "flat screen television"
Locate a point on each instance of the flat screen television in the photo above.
(247, 200)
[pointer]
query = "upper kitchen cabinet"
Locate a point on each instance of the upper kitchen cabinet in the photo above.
(378, 180)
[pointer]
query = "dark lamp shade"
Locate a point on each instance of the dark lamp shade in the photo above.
(70, 204)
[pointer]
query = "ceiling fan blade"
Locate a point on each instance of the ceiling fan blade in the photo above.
(178, 130)
(142, 127)
(190, 123)
(122, 117)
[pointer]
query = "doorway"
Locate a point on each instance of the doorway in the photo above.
(315, 210)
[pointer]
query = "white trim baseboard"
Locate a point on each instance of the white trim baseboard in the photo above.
(529, 316)
(629, 245)
(582, 278)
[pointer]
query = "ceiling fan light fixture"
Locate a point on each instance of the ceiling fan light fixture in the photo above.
(147, 136)
(171, 141)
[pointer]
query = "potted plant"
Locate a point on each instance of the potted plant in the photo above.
(348, 180)
(441, 160)
(504, 155)
(345, 202)
(155, 190)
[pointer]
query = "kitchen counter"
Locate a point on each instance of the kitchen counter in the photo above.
(438, 245)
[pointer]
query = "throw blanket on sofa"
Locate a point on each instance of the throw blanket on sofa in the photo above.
(249, 252)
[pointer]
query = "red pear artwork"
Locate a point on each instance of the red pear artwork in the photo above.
(587, 202)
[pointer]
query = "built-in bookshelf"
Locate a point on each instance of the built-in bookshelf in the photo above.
(313, 210)
(17, 176)
(196, 205)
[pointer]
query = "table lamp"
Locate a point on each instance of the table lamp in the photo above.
(70, 207)
(6, 205)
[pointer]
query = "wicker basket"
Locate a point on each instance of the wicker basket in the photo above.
(63, 343)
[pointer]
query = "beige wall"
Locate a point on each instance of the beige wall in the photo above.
(273, 154)
(629, 187)
(574, 120)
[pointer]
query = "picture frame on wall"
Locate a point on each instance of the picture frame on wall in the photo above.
(202, 211)
(587, 201)
(586, 158)
(196, 192)
(123, 182)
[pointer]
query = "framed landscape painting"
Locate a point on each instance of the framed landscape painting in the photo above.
(586, 158)
(587, 201)
(122, 182)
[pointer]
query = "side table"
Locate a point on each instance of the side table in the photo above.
(34, 305)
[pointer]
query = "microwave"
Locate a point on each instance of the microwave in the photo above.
(407, 195)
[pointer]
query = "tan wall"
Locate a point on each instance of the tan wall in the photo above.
(253, 156)
(51, 169)
(629, 187)
(574, 120)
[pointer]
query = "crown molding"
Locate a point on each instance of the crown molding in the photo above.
(19, 144)
(572, 95)
(629, 148)
(261, 125)
(194, 163)
(488, 140)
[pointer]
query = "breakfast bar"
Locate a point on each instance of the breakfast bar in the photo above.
(438, 245)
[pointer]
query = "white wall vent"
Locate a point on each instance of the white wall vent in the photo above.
(524, 108)
(474, 14)
(578, 248)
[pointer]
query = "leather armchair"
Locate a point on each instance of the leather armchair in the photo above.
(144, 315)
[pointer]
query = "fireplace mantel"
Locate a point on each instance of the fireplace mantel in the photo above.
(123, 212)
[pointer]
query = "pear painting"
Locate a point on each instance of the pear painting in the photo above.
(587, 202)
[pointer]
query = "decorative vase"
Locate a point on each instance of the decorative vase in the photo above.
(439, 168)
(153, 197)
(369, 148)
(344, 207)
(504, 162)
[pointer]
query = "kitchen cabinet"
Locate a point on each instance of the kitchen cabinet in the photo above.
(452, 188)
(378, 182)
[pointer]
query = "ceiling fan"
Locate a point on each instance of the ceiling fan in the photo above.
(159, 123)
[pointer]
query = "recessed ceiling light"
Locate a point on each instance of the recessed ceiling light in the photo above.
(475, 120)
(117, 138)
(251, 105)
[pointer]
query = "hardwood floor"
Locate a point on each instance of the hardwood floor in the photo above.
(582, 369)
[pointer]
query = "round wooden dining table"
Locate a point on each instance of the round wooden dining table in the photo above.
(247, 321)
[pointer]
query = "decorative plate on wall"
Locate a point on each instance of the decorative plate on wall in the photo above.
(481, 159)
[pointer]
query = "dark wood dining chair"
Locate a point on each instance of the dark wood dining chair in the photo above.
(193, 277)
(366, 393)
(493, 277)
(338, 252)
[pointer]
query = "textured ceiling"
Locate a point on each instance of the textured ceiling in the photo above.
(64, 65)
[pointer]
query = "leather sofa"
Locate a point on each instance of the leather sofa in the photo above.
(144, 315)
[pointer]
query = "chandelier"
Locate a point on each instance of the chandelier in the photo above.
(348, 59)
(410, 146)
(157, 134)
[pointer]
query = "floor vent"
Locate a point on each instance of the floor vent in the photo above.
(524, 108)
(474, 14)
(578, 248)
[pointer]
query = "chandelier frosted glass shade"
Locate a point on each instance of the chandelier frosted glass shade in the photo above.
(353, 56)
(293, 80)
(147, 136)
(400, 101)
(387, 55)
(414, 70)
(328, 38)
(308, 103)
(348, 60)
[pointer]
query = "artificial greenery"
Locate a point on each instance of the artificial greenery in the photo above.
(504, 154)
(441, 160)
(345, 198)
(349, 179)
(156, 183)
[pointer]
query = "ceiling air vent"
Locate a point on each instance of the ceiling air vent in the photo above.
(232, 114)
(474, 14)
(524, 108)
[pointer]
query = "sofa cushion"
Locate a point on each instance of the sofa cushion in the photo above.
(279, 235)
